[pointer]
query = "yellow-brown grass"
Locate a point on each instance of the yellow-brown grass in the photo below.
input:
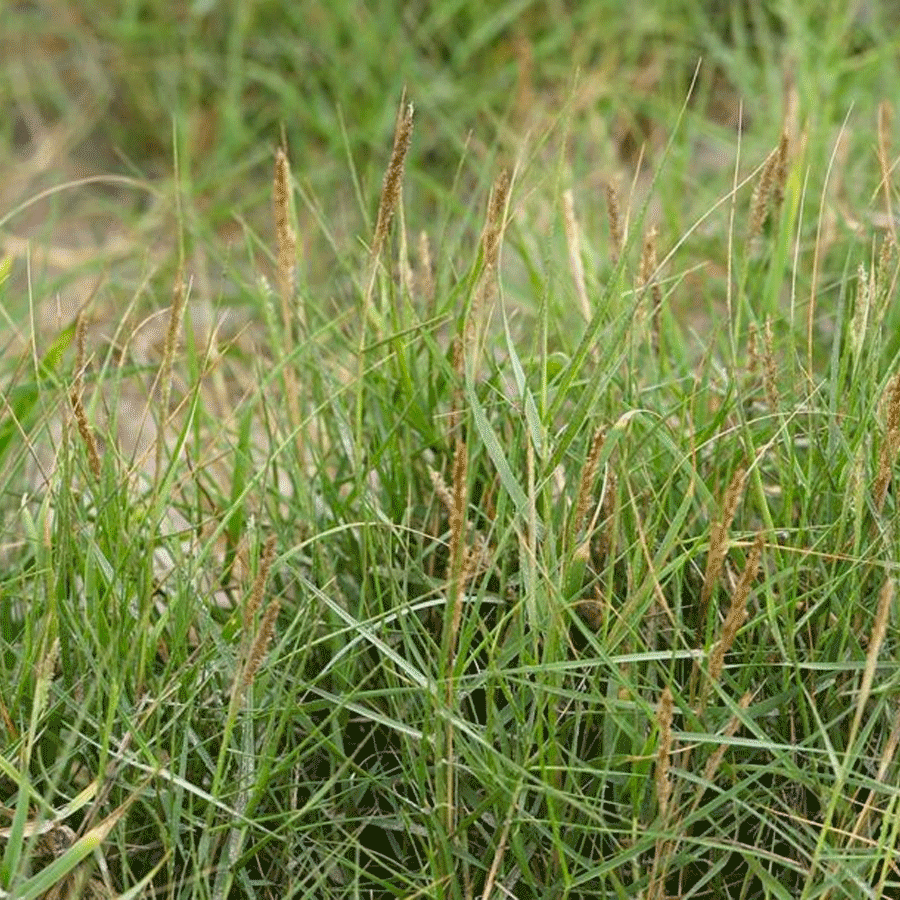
(715, 759)
(876, 639)
(648, 258)
(764, 190)
(491, 242)
(492, 236)
(260, 646)
(392, 184)
(285, 243)
(255, 638)
(425, 270)
(292, 314)
(586, 483)
(391, 191)
(737, 611)
(664, 716)
(254, 599)
(718, 546)
(573, 243)
(444, 494)
(861, 832)
(614, 217)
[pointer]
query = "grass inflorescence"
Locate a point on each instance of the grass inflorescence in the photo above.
(534, 535)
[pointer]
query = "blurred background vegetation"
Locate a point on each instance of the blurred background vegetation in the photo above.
(106, 87)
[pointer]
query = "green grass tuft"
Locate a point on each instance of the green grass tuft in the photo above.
(529, 532)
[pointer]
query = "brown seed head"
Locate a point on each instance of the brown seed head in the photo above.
(261, 642)
(614, 216)
(664, 716)
(393, 178)
(588, 477)
(718, 543)
(762, 194)
(890, 444)
(496, 217)
(737, 610)
(259, 583)
(285, 238)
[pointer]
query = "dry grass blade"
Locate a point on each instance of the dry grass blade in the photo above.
(500, 851)
(876, 639)
(715, 760)
(443, 493)
(664, 716)
(888, 755)
(573, 242)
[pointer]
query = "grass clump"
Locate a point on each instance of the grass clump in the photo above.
(550, 552)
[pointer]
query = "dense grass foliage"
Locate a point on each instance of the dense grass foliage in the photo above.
(495, 497)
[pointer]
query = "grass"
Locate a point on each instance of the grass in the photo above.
(505, 512)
